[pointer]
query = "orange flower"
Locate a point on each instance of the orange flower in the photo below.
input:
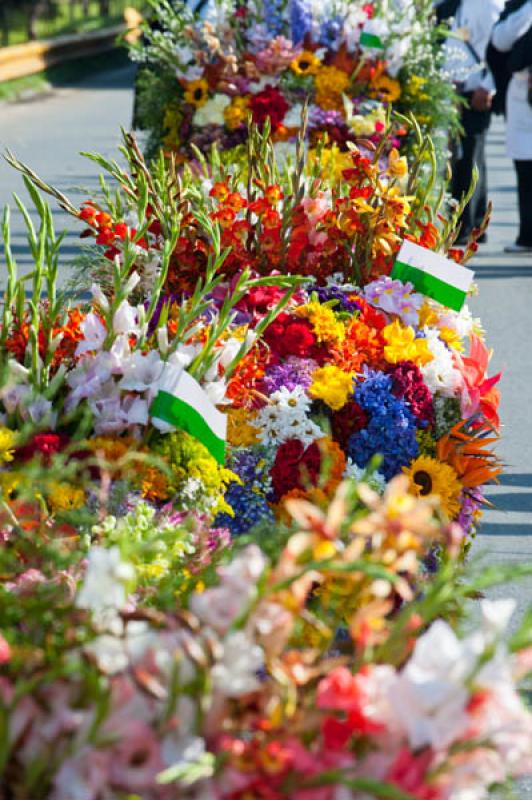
(465, 450)
(479, 392)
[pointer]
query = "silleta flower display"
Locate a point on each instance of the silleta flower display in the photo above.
(243, 462)
(349, 63)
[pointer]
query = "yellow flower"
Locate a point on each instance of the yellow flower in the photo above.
(331, 83)
(331, 164)
(153, 484)
(197, 92)
(172, 125)
(397, 165)
(64, 497)
(240, 429)
(414, 84)
(324, 323)
(402, 345)
(432, 478)
(452, 338)
(427, 316)
(236, 113)
(386, 88)
(7, 444)
(306, 63)
(332, 385)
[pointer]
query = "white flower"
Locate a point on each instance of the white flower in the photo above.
(99, 297)
(286, 417)
(141, 371)
(104, 586)
(125, 319)
(94, 334)
(212, 112)
(430, 698)
(235, 674)
(440, 374)
(215, 391)
(377, 481)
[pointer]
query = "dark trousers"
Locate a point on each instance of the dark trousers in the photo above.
(524, 193)
(468, 153)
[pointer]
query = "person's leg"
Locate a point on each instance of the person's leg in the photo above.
(524, 193)
(479, 201)
(462, 167)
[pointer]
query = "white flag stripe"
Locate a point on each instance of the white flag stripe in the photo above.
(189, 390)
(436, 264)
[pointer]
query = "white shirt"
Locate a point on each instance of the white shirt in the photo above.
(474, 20)
(518, 109)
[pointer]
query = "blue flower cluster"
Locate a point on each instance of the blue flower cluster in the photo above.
(300, 19)
(273, 16)
(249, 506)
(331, 31)
(391, 431)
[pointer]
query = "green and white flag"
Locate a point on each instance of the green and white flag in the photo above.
(368, 39)
(433, 275)
(182, 403)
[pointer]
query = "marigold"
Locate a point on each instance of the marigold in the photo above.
(332, 385)
(64, 497)
(331, 83)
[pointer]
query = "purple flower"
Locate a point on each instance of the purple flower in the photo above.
(320, 118)
(292, 373)
(346, 302)
(395, 297)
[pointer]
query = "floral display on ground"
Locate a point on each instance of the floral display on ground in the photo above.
(243, 456)
(349, 63)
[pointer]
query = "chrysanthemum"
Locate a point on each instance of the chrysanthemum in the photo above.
(330, 85)
(332, 385)
(430, 477)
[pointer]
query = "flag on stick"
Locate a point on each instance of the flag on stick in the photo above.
(187, 406)
(433, 275)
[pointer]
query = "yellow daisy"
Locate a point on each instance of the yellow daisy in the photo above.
(386, 88)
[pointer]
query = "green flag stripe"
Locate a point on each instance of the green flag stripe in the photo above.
(429, 285)
(176, 412)
(371, 40)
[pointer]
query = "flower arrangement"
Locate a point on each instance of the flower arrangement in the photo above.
(319, 371)
(306, 670)
(350, 63)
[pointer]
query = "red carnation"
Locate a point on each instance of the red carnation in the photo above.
(268, 103)
(295, 467)
(290, 336)
(349, 420)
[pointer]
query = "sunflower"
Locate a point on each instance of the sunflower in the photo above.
(196, 92)
(386, 88)
(305, 64)
(430, 477)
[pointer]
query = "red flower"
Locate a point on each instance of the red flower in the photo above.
(295, 467)
(268, 103)
(349, 420)
(46, 444)
(289, 336)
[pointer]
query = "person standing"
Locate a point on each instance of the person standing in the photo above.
(466, 48)
(513, 35)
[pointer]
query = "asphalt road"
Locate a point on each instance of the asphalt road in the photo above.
(48, 133)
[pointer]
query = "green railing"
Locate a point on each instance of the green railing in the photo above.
(24, 20)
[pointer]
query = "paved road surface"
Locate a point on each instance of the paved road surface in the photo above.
(49, 133)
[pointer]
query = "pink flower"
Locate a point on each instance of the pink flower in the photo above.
(5, 650)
